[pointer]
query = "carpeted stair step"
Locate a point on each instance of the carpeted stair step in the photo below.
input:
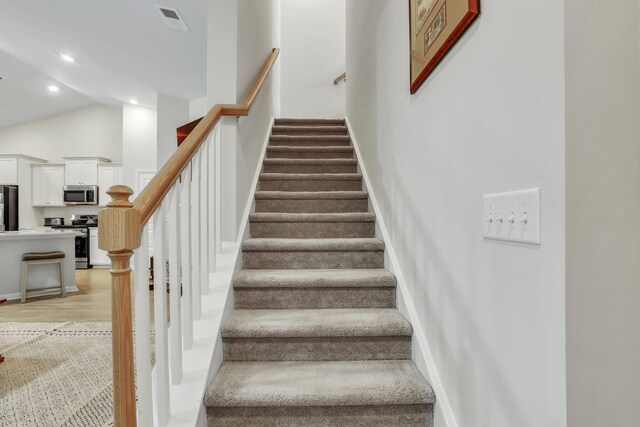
(310, 182)
(312, 202)
(309, 122)
(316, 334)
(290, 289)
(310, 166)
(313, 253)
(307, 152)
(312, 225)
(309, 130)
(313, 394)
(310, 140)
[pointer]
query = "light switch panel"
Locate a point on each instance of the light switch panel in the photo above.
(513, 216)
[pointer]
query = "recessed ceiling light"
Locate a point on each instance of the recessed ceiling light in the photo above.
(133, 102)
(67, 58)
(53, 89)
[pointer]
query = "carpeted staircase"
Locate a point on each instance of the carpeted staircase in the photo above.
(315, 338)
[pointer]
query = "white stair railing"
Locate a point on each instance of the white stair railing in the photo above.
(183, 200)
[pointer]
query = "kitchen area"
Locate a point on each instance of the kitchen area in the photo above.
(50, 208)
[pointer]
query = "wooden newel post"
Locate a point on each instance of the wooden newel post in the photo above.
(120, 231)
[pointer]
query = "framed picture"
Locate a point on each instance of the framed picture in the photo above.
(436, 25)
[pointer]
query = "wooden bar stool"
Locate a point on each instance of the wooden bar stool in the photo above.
(39, 258)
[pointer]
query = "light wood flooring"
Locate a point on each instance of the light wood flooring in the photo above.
(92, 302)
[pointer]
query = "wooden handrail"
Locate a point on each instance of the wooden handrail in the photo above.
(149, 199)
(121, 226)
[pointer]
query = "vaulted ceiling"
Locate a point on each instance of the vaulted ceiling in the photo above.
(122, 51)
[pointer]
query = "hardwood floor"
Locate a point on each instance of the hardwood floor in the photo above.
(92, 302)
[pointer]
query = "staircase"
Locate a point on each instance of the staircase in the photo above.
(315, 338)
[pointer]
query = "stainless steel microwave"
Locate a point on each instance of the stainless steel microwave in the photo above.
(80, 195)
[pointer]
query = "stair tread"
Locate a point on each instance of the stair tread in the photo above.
(305, 195)
(271, 176)
(341, 138)
(312, 217)
(312, 128)
(306, 122)
(329, 149)
(283, 244)
(374, 277)
(335, 383)
(313, 323)
(285, 161)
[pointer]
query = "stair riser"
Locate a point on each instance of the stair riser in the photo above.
(310, 168)
(295, 131)
(322, 185)
(303, 349)
(309, 142)
(312, 230)
(309, 122)
(313, 259)
(293, 298)
(312, 206)
(310, 154)
(322, 416)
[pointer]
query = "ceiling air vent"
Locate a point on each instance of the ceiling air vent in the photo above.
(172, 18)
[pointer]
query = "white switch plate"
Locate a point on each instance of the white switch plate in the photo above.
(513, 216)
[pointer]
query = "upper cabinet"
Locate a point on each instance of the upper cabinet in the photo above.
(82, 170)
(8, 171)
(47, 182)
(108, 176)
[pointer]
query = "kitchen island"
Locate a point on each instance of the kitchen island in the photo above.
(14, 243)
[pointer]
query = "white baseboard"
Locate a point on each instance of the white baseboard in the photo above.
(424, 356)
(17, 295)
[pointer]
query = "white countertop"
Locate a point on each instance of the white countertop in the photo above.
(37, 234)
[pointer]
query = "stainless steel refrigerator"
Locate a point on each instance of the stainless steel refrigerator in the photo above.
(9, 208)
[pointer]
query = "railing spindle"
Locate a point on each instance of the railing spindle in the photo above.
(195, 237)
(218, 190)
(204, 220)
(175, 305)
(185, 258)
(142, 328)
(162, 409)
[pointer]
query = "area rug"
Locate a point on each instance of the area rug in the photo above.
(56, 374)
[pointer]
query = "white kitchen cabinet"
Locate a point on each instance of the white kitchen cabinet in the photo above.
(9, 171)
(98, 257)
(108, 176)
(82, 170)
(47, 184)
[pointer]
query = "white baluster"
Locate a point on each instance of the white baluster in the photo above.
(162, 394)
(213, 194)
(185, 258)
(142, 336)
(175, 312)
(195, 236)
(204, 219)
(218, 187)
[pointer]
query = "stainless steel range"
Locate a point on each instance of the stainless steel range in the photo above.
(81, 224)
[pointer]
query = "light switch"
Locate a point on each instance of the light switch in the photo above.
(513, 216)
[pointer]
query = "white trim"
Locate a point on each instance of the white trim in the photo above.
(408, 309)
(49, 292)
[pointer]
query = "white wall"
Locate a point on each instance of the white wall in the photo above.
(197, 108)
(91, 131)
(171, 114)
(255, 43)
(489, 119)
(603, 224)
(139, 138)
(313, 55)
